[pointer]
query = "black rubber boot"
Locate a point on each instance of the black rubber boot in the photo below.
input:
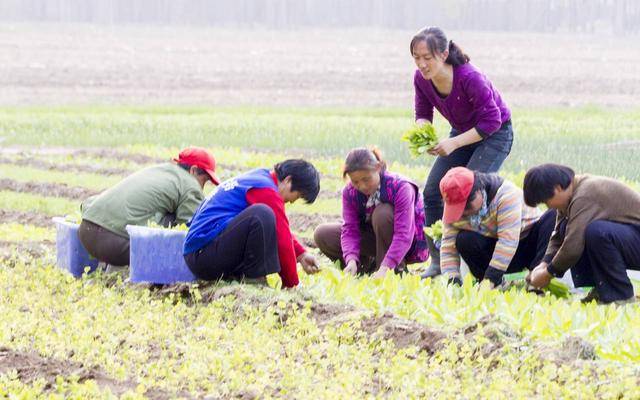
(434, 255)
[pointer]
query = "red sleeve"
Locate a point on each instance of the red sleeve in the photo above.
(299, 249)
(286, 242)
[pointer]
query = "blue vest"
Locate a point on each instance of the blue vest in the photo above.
(217, 210)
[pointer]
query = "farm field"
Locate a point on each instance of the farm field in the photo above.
(336, 337)
(59, 64)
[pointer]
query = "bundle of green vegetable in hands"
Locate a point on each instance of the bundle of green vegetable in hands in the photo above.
(421, 139)
(556, 287)
(435, 231)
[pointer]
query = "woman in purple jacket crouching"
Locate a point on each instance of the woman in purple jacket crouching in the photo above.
(481, 132)
(383, 219)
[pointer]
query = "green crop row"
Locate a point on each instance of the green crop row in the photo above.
(611, 329)
(11, 387)
(56, 206)
(233, 346)
(51, 206)
(589, 139)
(15, 232)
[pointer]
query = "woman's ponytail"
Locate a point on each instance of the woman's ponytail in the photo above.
(456, 55)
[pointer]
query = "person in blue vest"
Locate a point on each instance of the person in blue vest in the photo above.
(241, 231)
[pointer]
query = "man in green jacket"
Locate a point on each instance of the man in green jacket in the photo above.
(597, 233)
(167, 194)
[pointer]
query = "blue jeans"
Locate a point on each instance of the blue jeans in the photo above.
(484, 156)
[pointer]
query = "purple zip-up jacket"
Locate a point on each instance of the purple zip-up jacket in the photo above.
(408, 242)
(472, 103)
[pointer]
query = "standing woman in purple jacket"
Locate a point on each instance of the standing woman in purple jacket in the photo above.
(481, 132)
(383, 219)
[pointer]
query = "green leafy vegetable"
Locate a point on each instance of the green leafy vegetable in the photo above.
(421, 139)
(435, 231)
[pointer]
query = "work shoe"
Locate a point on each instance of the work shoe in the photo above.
(434, 254)
(591, 296)
(432, 271)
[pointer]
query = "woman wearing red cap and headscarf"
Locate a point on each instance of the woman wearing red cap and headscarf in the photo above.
(488, 224)
(167, 194)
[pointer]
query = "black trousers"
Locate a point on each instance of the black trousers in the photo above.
(477, 250)
(610, 249)
(103, 244)
(247, 248)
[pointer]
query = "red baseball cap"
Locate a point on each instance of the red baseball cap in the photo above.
(455, 187)
(201, 158)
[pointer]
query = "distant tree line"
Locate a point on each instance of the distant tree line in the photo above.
(617, 16)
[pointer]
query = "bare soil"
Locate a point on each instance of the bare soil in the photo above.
(50, 166)
(329, 194)
(308, 222)
(47, 189)
(119, 155)
(53, 64)
(31, 367)
(26, 250)
(23, 156)
(25, 218)
(402, 332)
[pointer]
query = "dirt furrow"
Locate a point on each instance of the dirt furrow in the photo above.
(26, 251)
(77, 168)
(25, 157)
(25, 218)
(31, 366)
(47, 189)
(308, 222)
(387, 326)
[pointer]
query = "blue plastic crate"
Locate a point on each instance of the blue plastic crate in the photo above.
(156, 256)
(71, 255)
